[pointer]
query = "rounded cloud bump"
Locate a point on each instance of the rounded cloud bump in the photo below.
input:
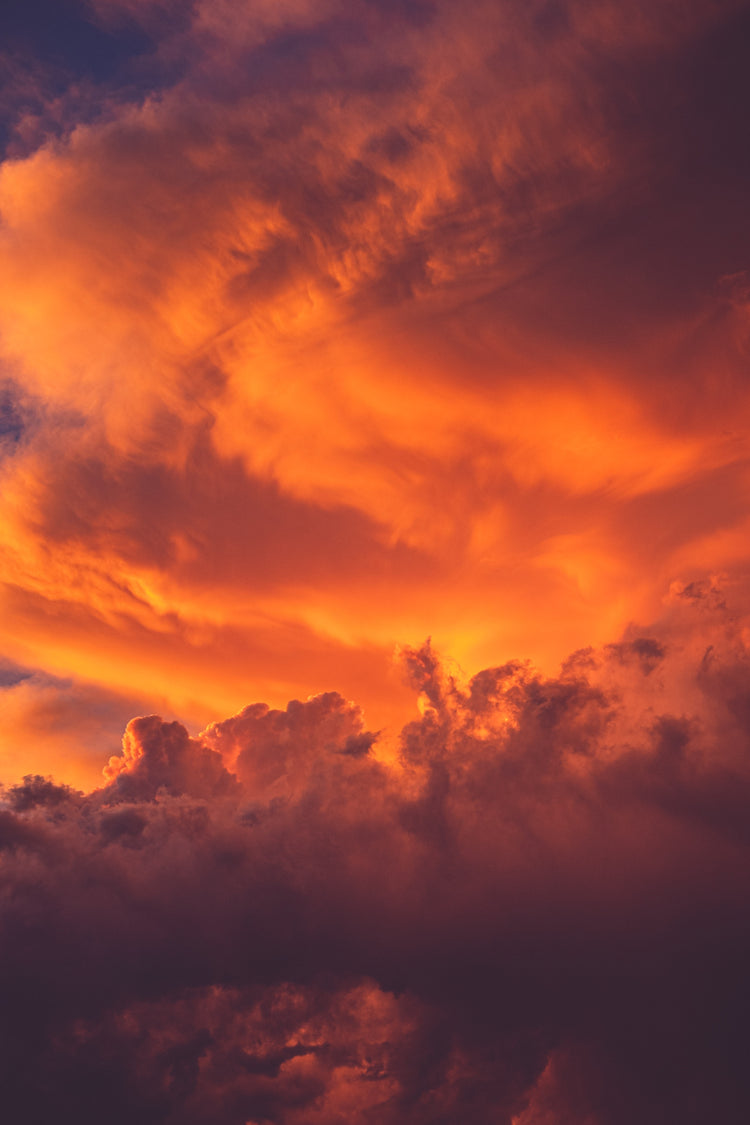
(533, 911)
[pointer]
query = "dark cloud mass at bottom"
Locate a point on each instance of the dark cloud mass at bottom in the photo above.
(538, 915)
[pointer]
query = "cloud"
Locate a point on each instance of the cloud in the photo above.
(330, 325)
(68, 722)
(534, 913)
(159, 756)
(277, 751)
(359, 367)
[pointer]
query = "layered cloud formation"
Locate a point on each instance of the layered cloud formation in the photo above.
(535, 912)
(324, 327)
(330, 326)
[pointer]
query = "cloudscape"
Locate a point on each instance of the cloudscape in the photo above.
(374, 562)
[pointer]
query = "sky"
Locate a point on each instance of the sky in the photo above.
(375, 454)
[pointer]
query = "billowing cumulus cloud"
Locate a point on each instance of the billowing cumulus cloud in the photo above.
(533, 912)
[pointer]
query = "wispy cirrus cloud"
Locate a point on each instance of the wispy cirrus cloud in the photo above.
(362, 323)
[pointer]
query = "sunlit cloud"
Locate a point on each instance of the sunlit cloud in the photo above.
(326, 328)
(521, 906)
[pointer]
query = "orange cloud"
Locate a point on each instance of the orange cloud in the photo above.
(365, 324)
(327, 327)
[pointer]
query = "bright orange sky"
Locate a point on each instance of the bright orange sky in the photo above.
(374, 562)
(321, 335)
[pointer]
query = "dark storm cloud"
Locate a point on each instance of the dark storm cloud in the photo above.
(543, 905)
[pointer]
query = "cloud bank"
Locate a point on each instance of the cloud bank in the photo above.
(534, 912)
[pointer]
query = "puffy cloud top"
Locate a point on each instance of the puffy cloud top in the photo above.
(160, 757)
(536, 913)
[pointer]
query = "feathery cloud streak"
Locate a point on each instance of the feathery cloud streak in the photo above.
(331, 326)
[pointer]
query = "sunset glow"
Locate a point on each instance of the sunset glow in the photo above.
(375, 448)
